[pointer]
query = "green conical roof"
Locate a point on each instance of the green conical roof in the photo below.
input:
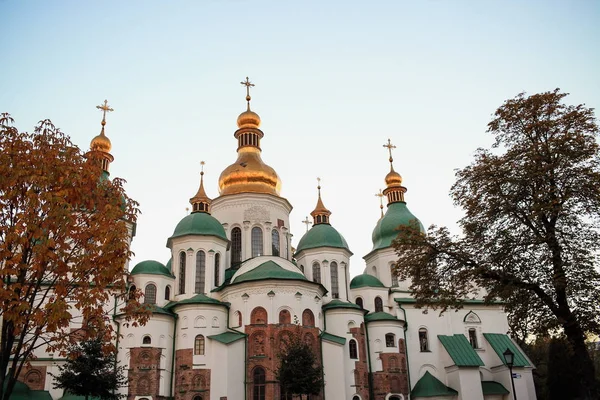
(151, 267)
(197, 299)
(336, 303)
(269, 270)
(380, 316)
(365, 280)
(430, 386)
(386, 229)
(199, 224)
(322, 235)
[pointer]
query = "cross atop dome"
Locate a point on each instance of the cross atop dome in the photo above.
(248, 85)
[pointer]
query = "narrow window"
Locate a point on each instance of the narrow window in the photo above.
(200, 272)
(308, 318)
(390, 340)
(353, 349)
(285, 317)
(150, 294)
(285, 247)
(217, 268)
(394, 276)
(423, 340)
(181, 272)
(335, 289)
(258, 390)
(359, 302)
(199, 345)
(275, 242)
(236, 247)
(378, 304)
(316, 273)
(147, 340)
(168, 293)
(473, 338)
(257, 242)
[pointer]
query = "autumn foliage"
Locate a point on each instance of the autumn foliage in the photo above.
(64, 244)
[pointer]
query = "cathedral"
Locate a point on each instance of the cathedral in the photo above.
(235, 289)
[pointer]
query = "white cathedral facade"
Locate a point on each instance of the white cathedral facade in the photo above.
(234, 290)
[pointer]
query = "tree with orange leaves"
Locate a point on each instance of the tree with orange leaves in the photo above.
(64, 244)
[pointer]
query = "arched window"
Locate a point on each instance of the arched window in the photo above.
(473, 338)
(423, 340)
(199, 345)
(150, 294)
(146, 340)
(308, 318)
(335, 287)
(200, 272)
(378, 304)
(258, 389)
(390, 340)
(258, 316)
(237, 317)
(181, 272)
(394, 276)
(217, 268)
(257, 242)
(236, 247)
(132, 290)
(285, 317)
(355, 398)
(168, 293)
(353, 349)
(316, 273)
(197, 397)
(275, 242)
(359, 302)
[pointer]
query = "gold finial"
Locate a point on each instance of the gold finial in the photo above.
(306, 222)
(248, 85)
(380, 195)
(202, 168)
(390, 146)
(319, 185)
(105, 108)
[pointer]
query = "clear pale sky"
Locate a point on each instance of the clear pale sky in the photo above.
(334, 80)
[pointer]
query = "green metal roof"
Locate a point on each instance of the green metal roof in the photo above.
(269, 270)
(322, 235)
(500, 342)
(461, 351)
(151, 267)
(197, 299)
(380, 316)
(160, 310)
(227, 337)
(411, 300)
(333, 338)
(365, 280)
(198, 223)
(386, 229)
(22, 392)
(491, 388)
(336, 303)
(168, 265)
(430, 386)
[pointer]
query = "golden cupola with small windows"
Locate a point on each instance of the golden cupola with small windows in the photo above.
(249, 174)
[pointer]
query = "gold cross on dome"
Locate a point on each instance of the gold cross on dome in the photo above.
(105, 108)
(307, 222)
(248, 85)
(389, 146)
(202, 167)
(380, 195)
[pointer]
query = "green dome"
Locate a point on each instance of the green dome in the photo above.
(269, 270)
(341, 304)
(380, 316)
(386, 229)
(199, 223)
(151, 267)
(168, 265)
(322, 235)
(365, 280)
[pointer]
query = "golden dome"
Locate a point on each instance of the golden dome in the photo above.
(249, 174)
(393, 178)
(101, 143)
(248, 119)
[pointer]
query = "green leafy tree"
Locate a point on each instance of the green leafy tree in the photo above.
(299, 372)
(91, 371)
(64, 244)
(530, 231)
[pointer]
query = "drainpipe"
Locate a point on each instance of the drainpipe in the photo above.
(176, 318)
(118, 337)
(245, 354)
(370, 375)
(406, 348)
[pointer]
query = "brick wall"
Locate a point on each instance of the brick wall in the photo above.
(361, 366)
(144, 372)
(190, 382)
(34, 377)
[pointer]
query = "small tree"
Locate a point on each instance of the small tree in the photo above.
(64, 244)
(531, 233)
(299, 372)
(91, 371)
